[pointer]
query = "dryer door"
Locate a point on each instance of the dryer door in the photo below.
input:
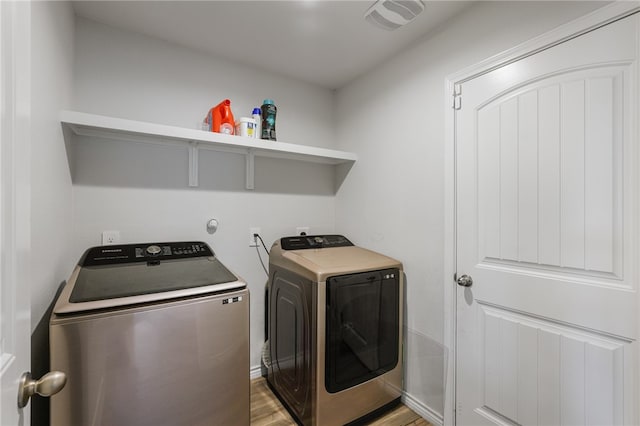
(362, 326)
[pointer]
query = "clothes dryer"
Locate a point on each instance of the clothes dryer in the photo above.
(335, 329)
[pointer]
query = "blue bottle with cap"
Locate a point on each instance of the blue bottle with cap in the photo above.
(269, 111)
(257, 116)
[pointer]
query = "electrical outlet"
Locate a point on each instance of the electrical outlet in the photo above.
(253, 241)
(110, 237)
(302, 230)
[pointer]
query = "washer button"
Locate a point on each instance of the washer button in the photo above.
(154, 250)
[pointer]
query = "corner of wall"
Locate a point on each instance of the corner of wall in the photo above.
(52, 52)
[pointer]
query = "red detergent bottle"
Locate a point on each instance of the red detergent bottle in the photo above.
(220, 118)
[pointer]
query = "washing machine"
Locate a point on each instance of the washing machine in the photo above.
(334, 343)
(153, 334)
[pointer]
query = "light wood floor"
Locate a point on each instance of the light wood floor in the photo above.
(266, 410)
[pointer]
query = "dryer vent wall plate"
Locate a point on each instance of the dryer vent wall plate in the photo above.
(392, 14)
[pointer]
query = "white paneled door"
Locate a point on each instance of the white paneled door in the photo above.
(548, 192)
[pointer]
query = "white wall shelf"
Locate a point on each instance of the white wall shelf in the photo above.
(83, 124)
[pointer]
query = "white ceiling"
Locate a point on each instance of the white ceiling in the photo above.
(327, 43)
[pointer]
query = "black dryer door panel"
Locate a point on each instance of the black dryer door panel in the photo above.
(362, 327)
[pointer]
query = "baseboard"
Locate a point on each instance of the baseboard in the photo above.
(423, 410)
(255, 372)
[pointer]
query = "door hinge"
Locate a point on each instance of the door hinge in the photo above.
(457, 96)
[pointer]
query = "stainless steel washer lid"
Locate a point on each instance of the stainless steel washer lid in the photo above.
(112, 276)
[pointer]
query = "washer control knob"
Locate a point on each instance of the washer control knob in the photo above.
(154, 250)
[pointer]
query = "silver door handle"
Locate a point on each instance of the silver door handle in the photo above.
(465, 281)
(50, 384)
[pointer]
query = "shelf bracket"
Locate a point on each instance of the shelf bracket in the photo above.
(193, 164)
(250, 168)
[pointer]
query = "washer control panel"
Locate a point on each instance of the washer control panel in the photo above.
(145, 252)
(314, 242)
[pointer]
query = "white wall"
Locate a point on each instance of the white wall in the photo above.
(392, 201)
(52, 75)
(141, 190)
(52, 25)
(124, 74)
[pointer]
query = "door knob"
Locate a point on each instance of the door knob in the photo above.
(465, 281)
(50, 384)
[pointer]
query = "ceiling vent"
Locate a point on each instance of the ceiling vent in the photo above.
(392, 14)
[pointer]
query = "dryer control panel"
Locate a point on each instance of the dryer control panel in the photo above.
(314, 242)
